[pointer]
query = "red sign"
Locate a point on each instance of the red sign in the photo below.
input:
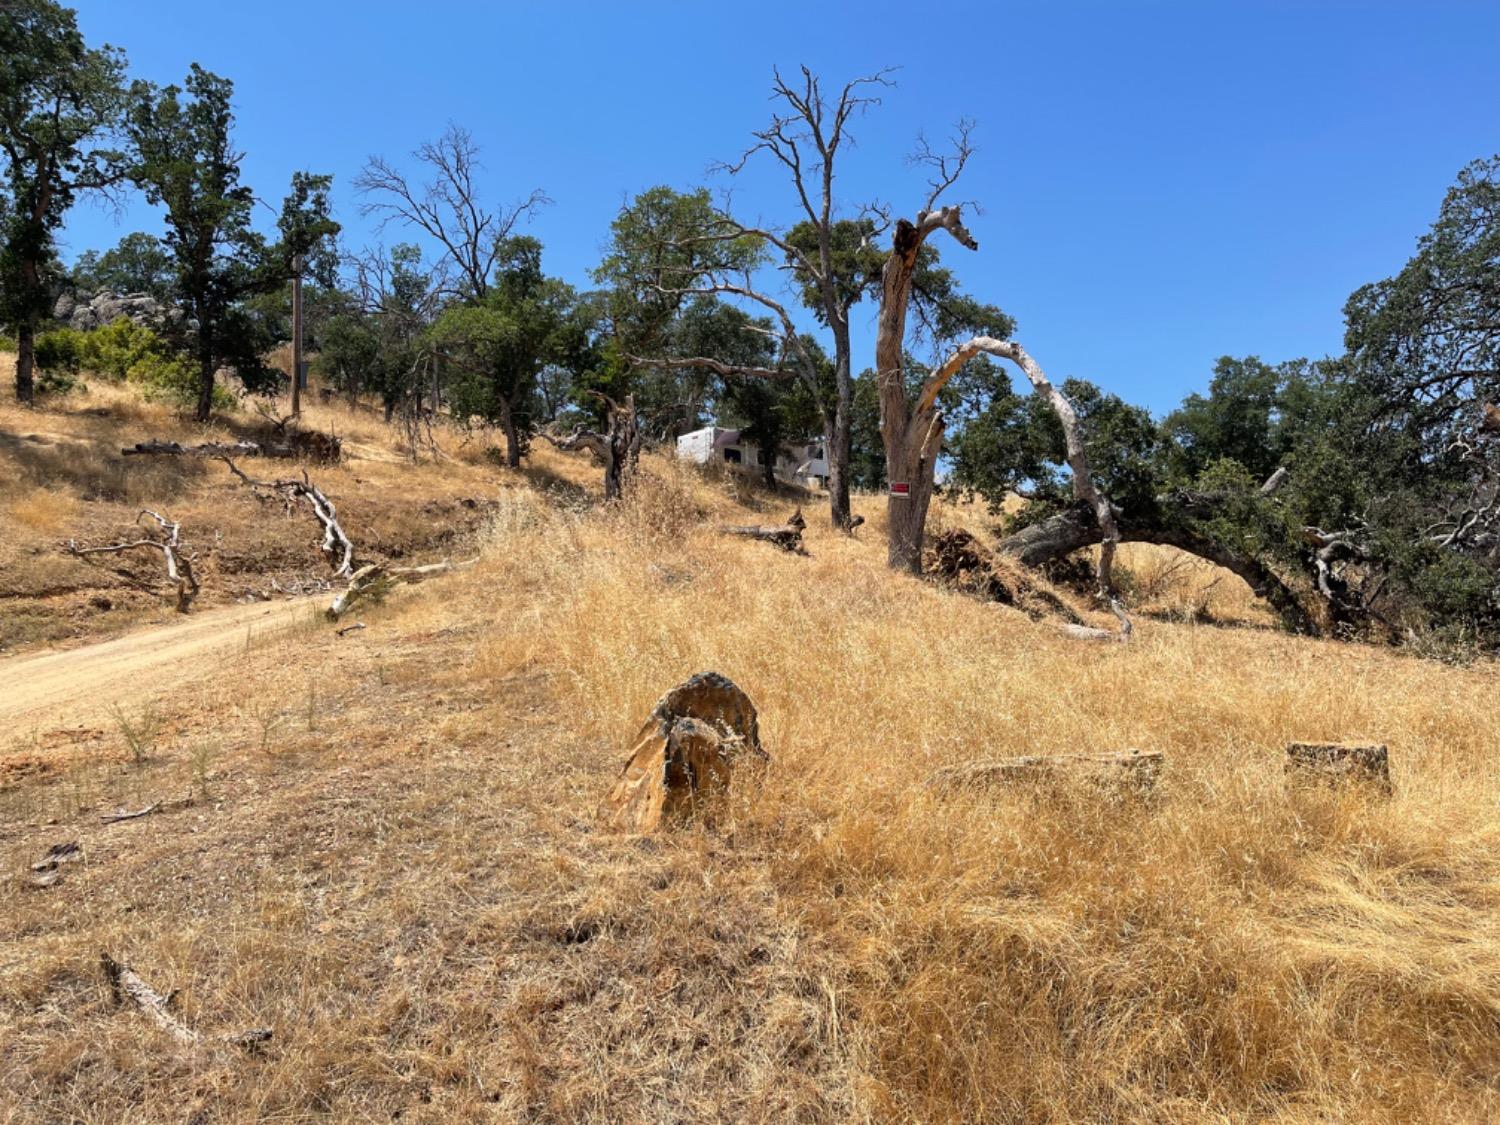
(900, 488)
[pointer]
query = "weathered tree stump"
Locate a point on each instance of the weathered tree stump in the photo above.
(1131, 772)
(684, 754)
(1339, 764)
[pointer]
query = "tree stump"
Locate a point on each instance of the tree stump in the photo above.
(1131, 772)
(685, 753)
(1339, 764)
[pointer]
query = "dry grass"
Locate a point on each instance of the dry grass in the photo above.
(390, 855)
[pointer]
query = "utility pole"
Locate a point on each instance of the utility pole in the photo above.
(296, 335)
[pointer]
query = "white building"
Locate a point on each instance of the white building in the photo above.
(803, 462)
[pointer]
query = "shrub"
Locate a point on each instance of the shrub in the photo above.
(112, 351)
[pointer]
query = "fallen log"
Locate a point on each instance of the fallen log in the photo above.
(179, 566)
(787, 536)
(376, 580)
(685, 754)
(207, 449)
(1134, 772)
(1339, 764)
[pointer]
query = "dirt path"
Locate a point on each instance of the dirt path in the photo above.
(65, 688)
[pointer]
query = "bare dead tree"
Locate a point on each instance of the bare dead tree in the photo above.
(179, 565)
(805, 136)
(618, 448)
(447, 207)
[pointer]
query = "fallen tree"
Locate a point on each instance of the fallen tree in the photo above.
(787, 536)
(179, 566)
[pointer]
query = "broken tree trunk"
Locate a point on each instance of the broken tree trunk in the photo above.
(685, 753)
(1339, 763)
(618, 449)
(787, 536)
(1131, 771)
(375, 580)
(179, 566)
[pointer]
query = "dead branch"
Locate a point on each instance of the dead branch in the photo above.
(347, 629)
(121, 814)
(1084, 488)
(787, 536)
(179, 566)
(1090, 633)
(125, 984)
(376, 580)
(336, 547)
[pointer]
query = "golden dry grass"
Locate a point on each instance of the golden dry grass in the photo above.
(388, 852)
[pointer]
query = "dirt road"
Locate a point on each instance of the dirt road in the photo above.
(65, 688)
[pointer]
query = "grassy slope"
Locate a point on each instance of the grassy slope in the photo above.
(390, 854)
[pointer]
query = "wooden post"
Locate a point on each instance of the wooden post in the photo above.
(296, 335)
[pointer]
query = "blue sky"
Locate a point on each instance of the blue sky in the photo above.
(1162, 183)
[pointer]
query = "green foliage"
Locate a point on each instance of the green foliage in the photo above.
(58, 100)
(186, 161)
(137, 264)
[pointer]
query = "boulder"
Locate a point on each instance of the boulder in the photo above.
(685, 754)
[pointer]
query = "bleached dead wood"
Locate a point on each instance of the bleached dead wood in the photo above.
(787, 536)
(126, 984)
(377, 579)
(179, 566)
(336, 547)
(1105, 636)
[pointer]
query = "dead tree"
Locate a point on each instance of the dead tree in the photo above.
(787, 536)
(618, 449)
(179, 566)
(912, 430)
(447, 208)
(805, 135)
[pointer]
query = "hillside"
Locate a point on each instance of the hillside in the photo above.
(384, 845)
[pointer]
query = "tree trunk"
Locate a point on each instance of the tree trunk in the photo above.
(838, 440)
(911, 433)
(205, 389)
(26, 362)
(512, 437)
(1075, 528)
